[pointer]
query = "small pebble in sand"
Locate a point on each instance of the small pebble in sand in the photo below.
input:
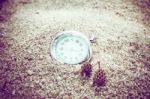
(54, 94)
(25, 1)
(66, 97)
(13, 92)
(84, 97)
(30, 72)
(41, 57)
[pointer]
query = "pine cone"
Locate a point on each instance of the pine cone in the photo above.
(86, 70)
(99, 78)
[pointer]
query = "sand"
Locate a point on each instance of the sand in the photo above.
(27, 70)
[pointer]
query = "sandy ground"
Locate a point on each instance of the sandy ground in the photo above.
(122, 28)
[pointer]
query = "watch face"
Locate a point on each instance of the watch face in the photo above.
(71, 48)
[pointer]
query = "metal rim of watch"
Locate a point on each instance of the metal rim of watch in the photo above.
(71, 33)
